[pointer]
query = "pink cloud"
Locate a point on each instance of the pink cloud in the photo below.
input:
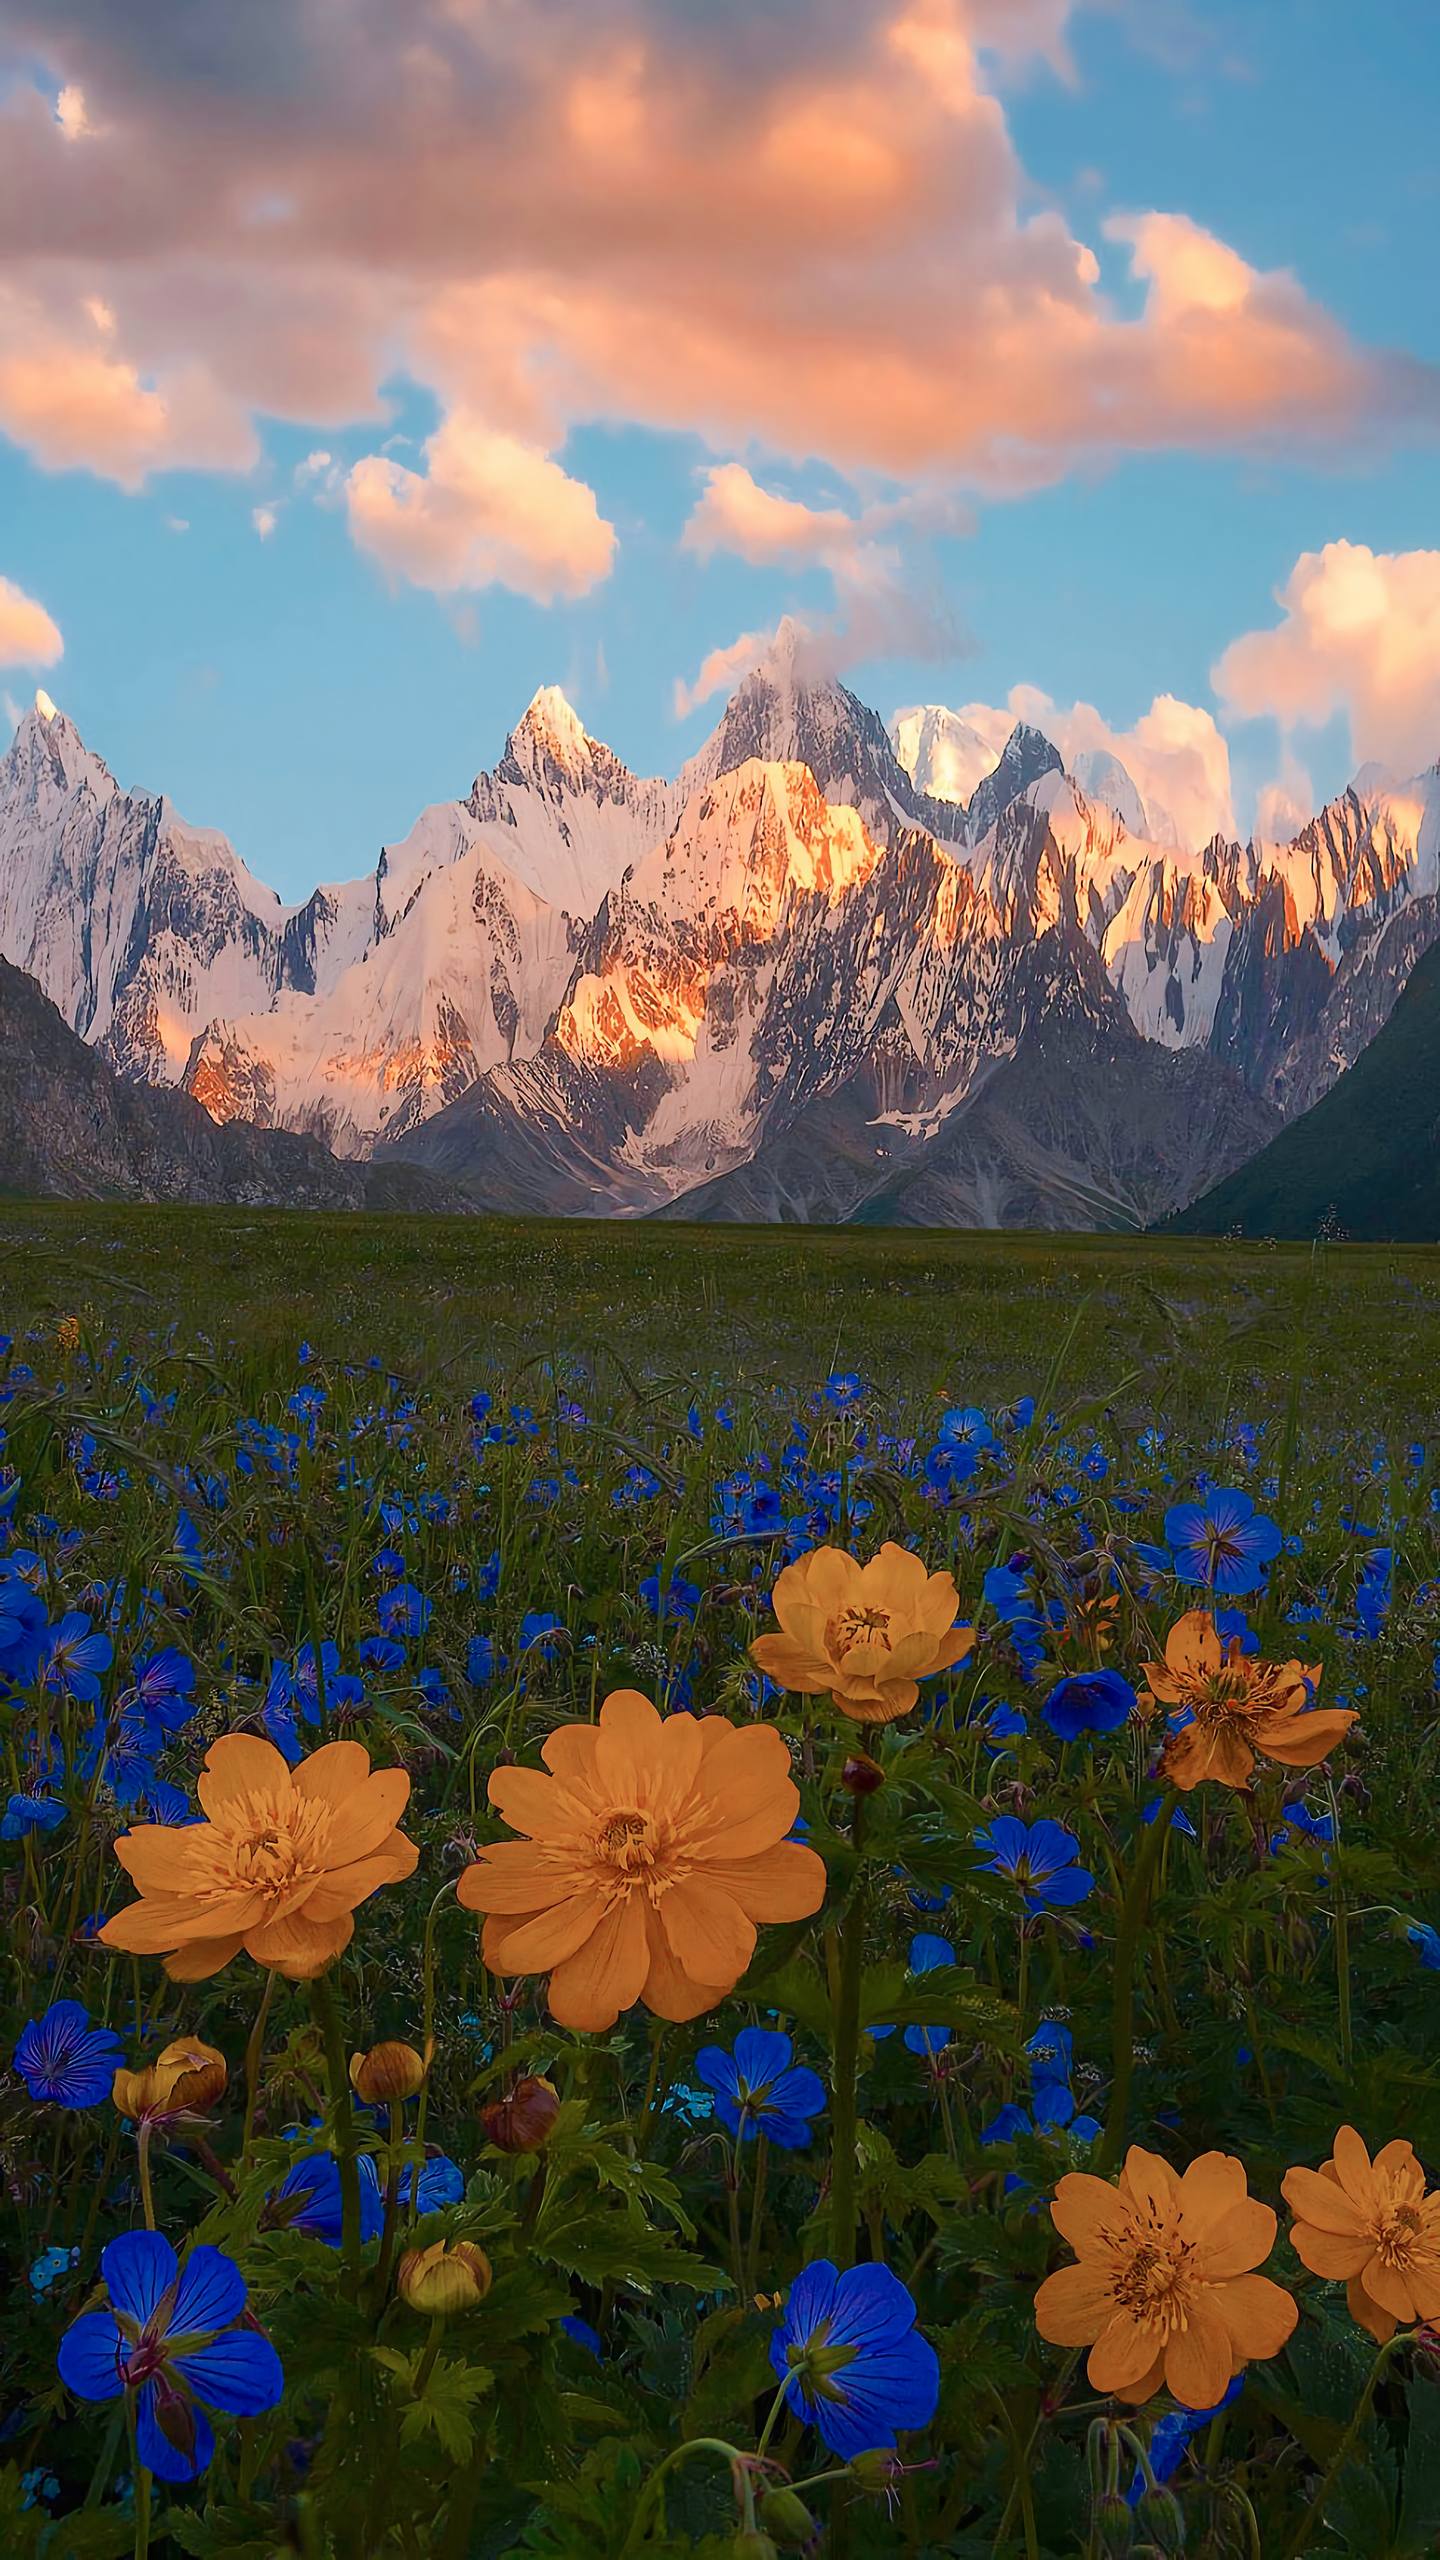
(805, 229)
(487, 510)
(1174, 754)
(722, 670)
(1360, 634)
(28, 635)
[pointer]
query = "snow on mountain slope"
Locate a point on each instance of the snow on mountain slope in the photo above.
(1105, 783)
(563, 813)
(467, 978)
(941, 753)
(133, 922)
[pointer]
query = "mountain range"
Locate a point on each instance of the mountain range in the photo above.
(832, 970)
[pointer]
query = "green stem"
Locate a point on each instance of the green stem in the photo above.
(327, 2018)
(1314, 2513)
(1342, 1943)
(639, 2521)
(847, 2059)
(142, 2513)
(254, 2056)
(147, 2192)
(427, 2029)
(1127, 1945)
(757, 2209)
(426, 2366)
(396, 2118)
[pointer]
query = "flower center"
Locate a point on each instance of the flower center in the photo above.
(1396, 2233)
(857, 1626)
(815, 2363)
(626, 1845)
(262, 1847)
(1153, 2279)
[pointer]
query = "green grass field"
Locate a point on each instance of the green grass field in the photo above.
(924, 1313)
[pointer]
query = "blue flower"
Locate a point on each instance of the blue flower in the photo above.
(403, 1611)
(75, 1658)
(964, 1427)
(162, 1685)
(311, 2194)
(1426, 1942)
(49, 2268)
(843, 1388)
(583, 2335)
(441, 2182)
(1038, 1856)
(757, 2090)
(851, 2359)
(1089, 1702)
(64, 2061)
(22, 1626)
(171, 2337)
(26, 1813)
(1223, 1542)
(678, 1599)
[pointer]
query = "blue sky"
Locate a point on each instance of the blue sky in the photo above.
(308, 691)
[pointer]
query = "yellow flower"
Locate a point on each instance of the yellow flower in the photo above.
(867, 1634)
(653, 1847)
(277, 1867)
(181, 2085)
(387, 2073)
(449, 2276)
(1370, 2223)
(1163, 2291)
(1238, 1706)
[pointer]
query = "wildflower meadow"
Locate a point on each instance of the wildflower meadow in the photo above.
(663, 1899)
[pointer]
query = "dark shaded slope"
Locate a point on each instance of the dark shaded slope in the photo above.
(1364, 1161)
(70, 1129)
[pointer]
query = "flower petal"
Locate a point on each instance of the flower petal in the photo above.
(139, 2269)
(88, 2361)
(241, 1764)
(210, 2294)
(590, 1988)
(239, 2372)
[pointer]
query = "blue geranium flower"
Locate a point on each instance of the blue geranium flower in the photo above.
(678, 1598)
(441, 2182)
(1089, 1702)
(30, 1812)
(22, 1626)
(75, 1657)
(1426, 1942)
(852, 2362)
(64, 2061)
(1223, 1541)
(843, 1388)
(171, 2337)
(582, 2335)
(162, 1685)
(403, 1611)
(759, 2089)
(311, 2196)
(1041, 1857)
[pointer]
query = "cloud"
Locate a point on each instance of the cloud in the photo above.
(28, 636)
(487, 510)
(70, 113)
(808, 231)
(722, 670)
(1360, 634)
(264, 519)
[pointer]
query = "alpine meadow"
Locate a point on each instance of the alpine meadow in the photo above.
(719, 1280)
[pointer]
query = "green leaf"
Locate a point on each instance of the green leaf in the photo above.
(1420, 2500)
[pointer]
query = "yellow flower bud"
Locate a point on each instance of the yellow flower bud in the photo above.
(182, 2084)
(387, 2073)
(449, 2276)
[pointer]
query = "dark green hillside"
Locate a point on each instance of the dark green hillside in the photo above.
(1364, 1161)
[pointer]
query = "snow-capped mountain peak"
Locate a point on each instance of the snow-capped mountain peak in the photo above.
(942, 753)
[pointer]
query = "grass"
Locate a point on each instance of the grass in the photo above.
(925, 1312)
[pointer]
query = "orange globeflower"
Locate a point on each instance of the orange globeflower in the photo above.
(277, 1867)
(866, 1633)
(1163, 2291)
(651, 1850)
(1239, 1707)
(1372, 2223)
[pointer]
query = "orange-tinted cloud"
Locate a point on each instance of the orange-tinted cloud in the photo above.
(1174, 754)
(1360, 634)
(805, 229)
(28, 635)
(486, 510)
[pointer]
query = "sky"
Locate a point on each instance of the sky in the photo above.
(363, 369)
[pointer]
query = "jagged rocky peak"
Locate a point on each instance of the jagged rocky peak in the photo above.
(48, 757)
(1025, 756)
(793, 709)
(551, 750)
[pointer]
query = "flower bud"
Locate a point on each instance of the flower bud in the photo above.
(1160, 2523)
(1114, 2525)
(861, 1776)
(754, 2546)
(182, 2084)
(876, 2470)
(787, 2519)
(524, 2118)
(449, 2276)
(386, 2074)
